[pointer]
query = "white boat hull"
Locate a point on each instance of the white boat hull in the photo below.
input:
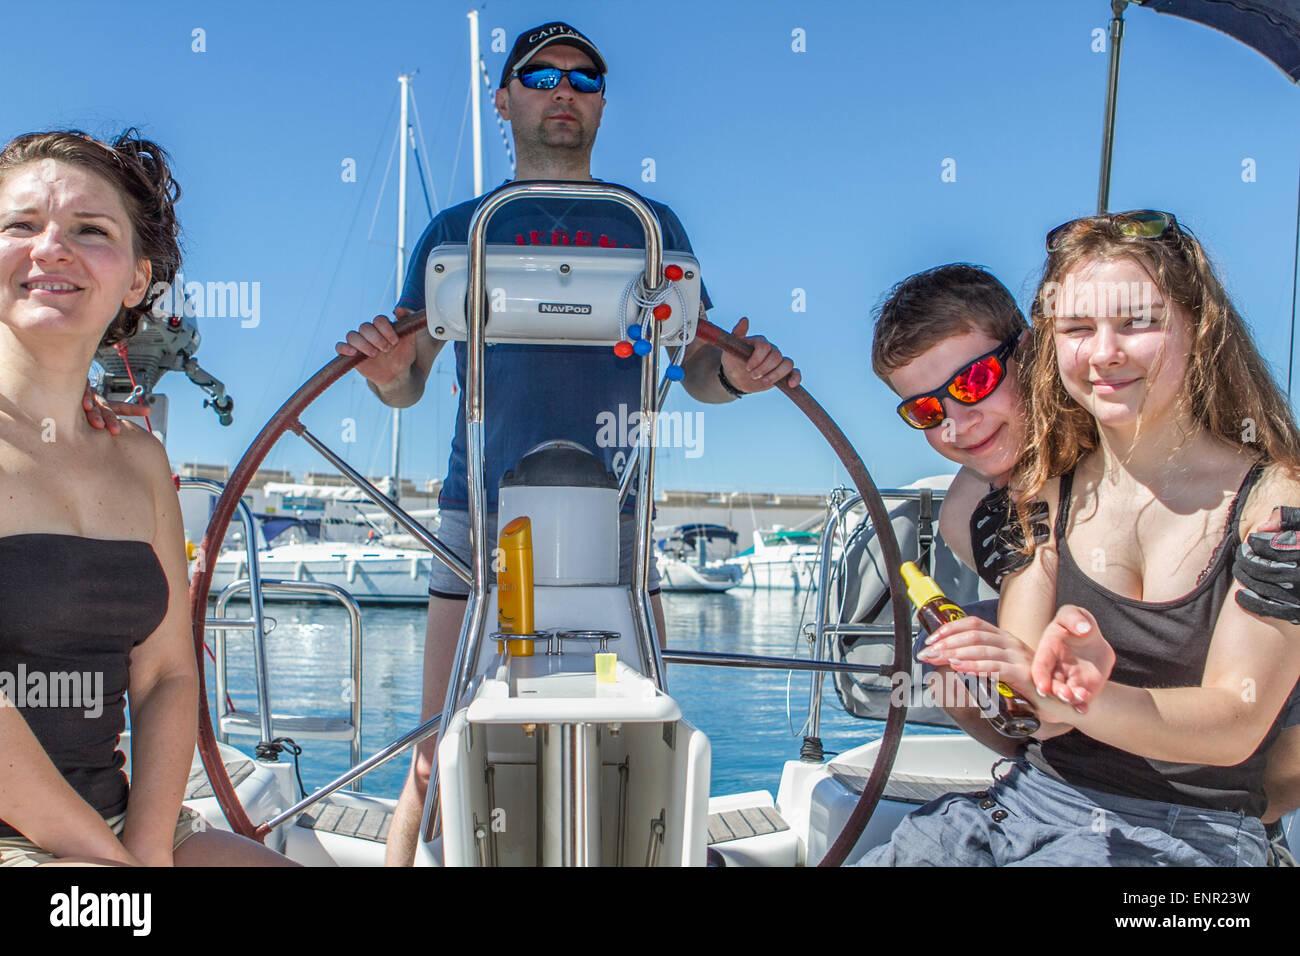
(799, 574)
(677, 575)
(372, 575)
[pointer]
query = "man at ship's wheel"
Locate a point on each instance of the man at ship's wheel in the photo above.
(552, 94)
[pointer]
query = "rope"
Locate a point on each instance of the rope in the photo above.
(419, 128)
(229, 703)
(455, 162)
(271, 751)
(135, 388)
(501, 124)
(419, 168)
(635, 291)
(383, 185)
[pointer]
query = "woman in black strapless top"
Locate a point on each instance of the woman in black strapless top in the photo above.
(1158, 439)
(93, 596)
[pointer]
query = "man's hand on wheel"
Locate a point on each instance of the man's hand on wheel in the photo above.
(388, 357)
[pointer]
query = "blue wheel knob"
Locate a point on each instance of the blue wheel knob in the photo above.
(634, 332)
(641, 347)
(674, 373)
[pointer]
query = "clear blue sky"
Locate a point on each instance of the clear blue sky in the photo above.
(818, 170)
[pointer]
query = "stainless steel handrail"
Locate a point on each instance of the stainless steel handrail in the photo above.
(764, 662)
(258, 621)
(470, 641)
(219, 625)
(835, 516)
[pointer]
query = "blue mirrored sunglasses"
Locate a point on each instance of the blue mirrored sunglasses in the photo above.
(542, 77)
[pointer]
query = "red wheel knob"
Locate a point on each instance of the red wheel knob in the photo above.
(673, 272)
(623, 349)
(662, 311)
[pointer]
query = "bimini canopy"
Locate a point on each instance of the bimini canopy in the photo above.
(1270, 26)
(688, 533)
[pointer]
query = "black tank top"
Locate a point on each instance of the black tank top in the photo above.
(71, 610)
(1162, 644)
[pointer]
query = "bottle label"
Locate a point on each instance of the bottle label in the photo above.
(951, 612)
(1004, 690)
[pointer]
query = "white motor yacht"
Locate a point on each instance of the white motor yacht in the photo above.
(684, 561)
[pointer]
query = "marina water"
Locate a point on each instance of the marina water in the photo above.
(743, 711)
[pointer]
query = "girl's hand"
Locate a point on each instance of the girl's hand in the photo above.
(1073, 661)
(971, 645)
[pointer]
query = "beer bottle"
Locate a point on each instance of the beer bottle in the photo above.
(1009, 713)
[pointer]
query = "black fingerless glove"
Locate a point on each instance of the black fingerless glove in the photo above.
(997, 542)
(1268, 567)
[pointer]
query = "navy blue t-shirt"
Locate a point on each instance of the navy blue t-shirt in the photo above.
(534, 393)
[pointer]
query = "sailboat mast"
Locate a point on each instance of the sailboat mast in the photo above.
(402, 133)
(475, 106)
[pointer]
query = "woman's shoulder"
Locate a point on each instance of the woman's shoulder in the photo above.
(141, 458)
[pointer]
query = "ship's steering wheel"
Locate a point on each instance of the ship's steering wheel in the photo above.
(286, 418)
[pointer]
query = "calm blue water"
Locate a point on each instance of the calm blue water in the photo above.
(744, 712)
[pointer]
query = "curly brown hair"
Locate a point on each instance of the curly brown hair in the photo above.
(140, 171)
(1228, 391)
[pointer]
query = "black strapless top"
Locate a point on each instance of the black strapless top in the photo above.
(71, 610)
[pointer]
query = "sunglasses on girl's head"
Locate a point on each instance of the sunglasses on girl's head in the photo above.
(542, 77)
(973, 383)
(1138, 223)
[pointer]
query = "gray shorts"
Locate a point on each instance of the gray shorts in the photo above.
(1030, 819)
(453, 531)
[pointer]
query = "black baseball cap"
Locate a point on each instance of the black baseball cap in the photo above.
(528, 43)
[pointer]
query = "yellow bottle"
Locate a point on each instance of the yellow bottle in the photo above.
(1010, 714)
(515, 585)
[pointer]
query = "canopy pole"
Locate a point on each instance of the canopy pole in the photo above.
(1295, 276)
(1112, 94)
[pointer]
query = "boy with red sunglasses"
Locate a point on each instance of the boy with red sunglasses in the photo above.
(945, 342)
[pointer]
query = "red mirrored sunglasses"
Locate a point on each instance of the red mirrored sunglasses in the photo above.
(971, 384)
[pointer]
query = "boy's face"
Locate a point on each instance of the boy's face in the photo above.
(988, 436)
